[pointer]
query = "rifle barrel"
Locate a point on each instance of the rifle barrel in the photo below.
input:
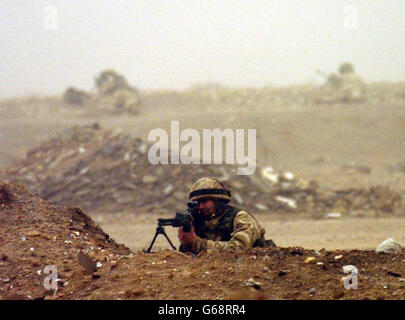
(165, 222)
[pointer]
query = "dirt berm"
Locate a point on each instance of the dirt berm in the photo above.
(35, 233)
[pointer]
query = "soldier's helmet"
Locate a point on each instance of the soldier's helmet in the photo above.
(346, 67)
(209, 188)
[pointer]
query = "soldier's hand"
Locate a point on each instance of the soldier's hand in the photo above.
(186, 238)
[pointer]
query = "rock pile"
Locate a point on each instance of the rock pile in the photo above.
(75, 96)
(108, 170)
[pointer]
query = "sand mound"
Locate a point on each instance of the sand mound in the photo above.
(34, 233)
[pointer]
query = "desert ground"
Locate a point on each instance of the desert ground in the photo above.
(313, 141)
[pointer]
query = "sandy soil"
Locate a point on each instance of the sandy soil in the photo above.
(35, 234)
(314, 142)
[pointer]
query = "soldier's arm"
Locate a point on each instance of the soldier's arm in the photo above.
(246, 232)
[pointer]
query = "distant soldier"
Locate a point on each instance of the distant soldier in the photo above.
(351, 85)
(217, 225)
(346, 86)
(332, 80)
(114, 91)
(109, 81)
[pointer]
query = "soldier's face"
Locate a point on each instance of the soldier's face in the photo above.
(207, 207)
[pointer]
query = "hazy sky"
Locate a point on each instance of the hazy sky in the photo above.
(172, 44)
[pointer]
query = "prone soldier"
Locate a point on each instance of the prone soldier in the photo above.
(216, 225)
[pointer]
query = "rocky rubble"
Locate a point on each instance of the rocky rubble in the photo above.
(108, 170)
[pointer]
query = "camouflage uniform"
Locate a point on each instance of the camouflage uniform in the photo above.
(344, 87)
(230, 229)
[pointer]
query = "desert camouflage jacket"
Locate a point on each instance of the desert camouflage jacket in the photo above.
(235, 228)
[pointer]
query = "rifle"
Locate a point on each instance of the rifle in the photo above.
(181, 219)
(331, 78)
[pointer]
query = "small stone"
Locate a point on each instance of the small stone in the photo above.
(333, 215)
(127, 156)
(251, 283)
(309, 259)
(268, 173)
(168, 189)
(87, 263)
(389, 246)
(149, 179)
(238, 198)
(261, 206)
(312, 291)
(143, 148)
(290, 202)
(289, 176)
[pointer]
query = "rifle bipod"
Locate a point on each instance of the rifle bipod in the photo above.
(160, 230)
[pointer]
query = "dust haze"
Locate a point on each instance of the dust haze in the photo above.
(47, 46)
